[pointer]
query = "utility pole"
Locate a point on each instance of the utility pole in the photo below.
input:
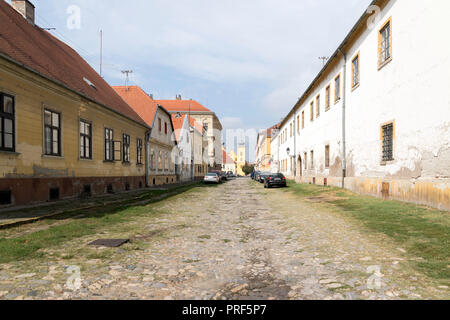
(127, 73)
(324, 60)
(101, 52)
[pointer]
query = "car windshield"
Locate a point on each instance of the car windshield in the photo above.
(277, 175)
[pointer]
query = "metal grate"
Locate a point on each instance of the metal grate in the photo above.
(388, 142)
(110, 243)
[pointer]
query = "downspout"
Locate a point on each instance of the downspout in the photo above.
(295, 149)
(344, 142)
(147, 157)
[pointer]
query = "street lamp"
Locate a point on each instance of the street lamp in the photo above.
(288, 151)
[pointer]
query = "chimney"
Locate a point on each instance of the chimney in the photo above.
(25, 8)
(178, 96)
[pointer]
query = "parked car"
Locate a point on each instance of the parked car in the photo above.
(257, 175)
(276, 179)
(231, 175)
(223, 177)
(211, 177)
(263, 176)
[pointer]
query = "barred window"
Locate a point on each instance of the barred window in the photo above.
(337, 88)
(52, 133)
(388, 142)
(85, 140)
(312, 111)
(327, 156)
(318, 106)
(7, 127)
(385, 43)
(355, 71)
(327, 98)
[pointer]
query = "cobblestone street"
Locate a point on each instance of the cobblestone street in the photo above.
(233, 241)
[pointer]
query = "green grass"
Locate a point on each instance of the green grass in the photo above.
(421, 231)
(29, 246)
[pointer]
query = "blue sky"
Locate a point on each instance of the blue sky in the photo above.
(247, 60)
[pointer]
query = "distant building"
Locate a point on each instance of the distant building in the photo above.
(208, 119)
(241, 159)
(229, 165)
(161, 150)
(263, 161)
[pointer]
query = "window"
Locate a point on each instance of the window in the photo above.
(312, 159)
(305, 160)
(385, 44)
(126, 148)
(159, 125)
(327, 156)
(139, 151)
(312, 111)
(85, 140)
(165, 127)
(290, 132)
(355, 71)
(52, 133)
(327, 98)
(7, 127)
(5, 197)
(303, 119)
(298, 123)
(337, 88)
(387, 132)
(109, 144)
(318, 106)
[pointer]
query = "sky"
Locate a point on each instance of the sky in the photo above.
(247, 60)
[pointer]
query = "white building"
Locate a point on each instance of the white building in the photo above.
(376, 119)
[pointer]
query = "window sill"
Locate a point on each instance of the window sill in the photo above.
(337, 101)
(85, 159)
(109, 161)
(52, 157)
(383, 64)
(355, 87)
(385, 163)
(12, 153)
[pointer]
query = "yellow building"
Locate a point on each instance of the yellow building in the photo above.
(241, 159)
(263, 161)
(65, 132)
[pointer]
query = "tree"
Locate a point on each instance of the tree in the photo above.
(247, 169)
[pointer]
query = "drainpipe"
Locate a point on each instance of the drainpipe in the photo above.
(295, 149)
(344, 142)
(147, 157)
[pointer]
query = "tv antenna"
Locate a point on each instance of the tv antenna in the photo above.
(127, 73)
(324, 60)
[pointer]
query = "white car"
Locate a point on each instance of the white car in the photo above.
(212, 178)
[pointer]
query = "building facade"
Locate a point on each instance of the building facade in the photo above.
(210, 122)
(241, 159)
(264, 158)
(162, 151)
(229, 165)
(376, 119)
(64, 132)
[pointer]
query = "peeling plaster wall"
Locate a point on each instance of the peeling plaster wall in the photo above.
(412, 91)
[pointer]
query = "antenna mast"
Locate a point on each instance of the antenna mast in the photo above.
(101, 52)
(324, 60)
(127, 73)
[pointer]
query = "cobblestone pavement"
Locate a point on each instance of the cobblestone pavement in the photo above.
(234, 241)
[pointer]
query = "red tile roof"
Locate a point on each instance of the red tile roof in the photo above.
(41, 52)
(178, 121)
(269, 131)
(182, 105)
(140, 101)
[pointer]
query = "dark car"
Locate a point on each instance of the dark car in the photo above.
(263, 176)
(223, 177)
(257, 175)
(275, 180)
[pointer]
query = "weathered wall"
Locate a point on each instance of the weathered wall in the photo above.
(411, 91)
(33, 94)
